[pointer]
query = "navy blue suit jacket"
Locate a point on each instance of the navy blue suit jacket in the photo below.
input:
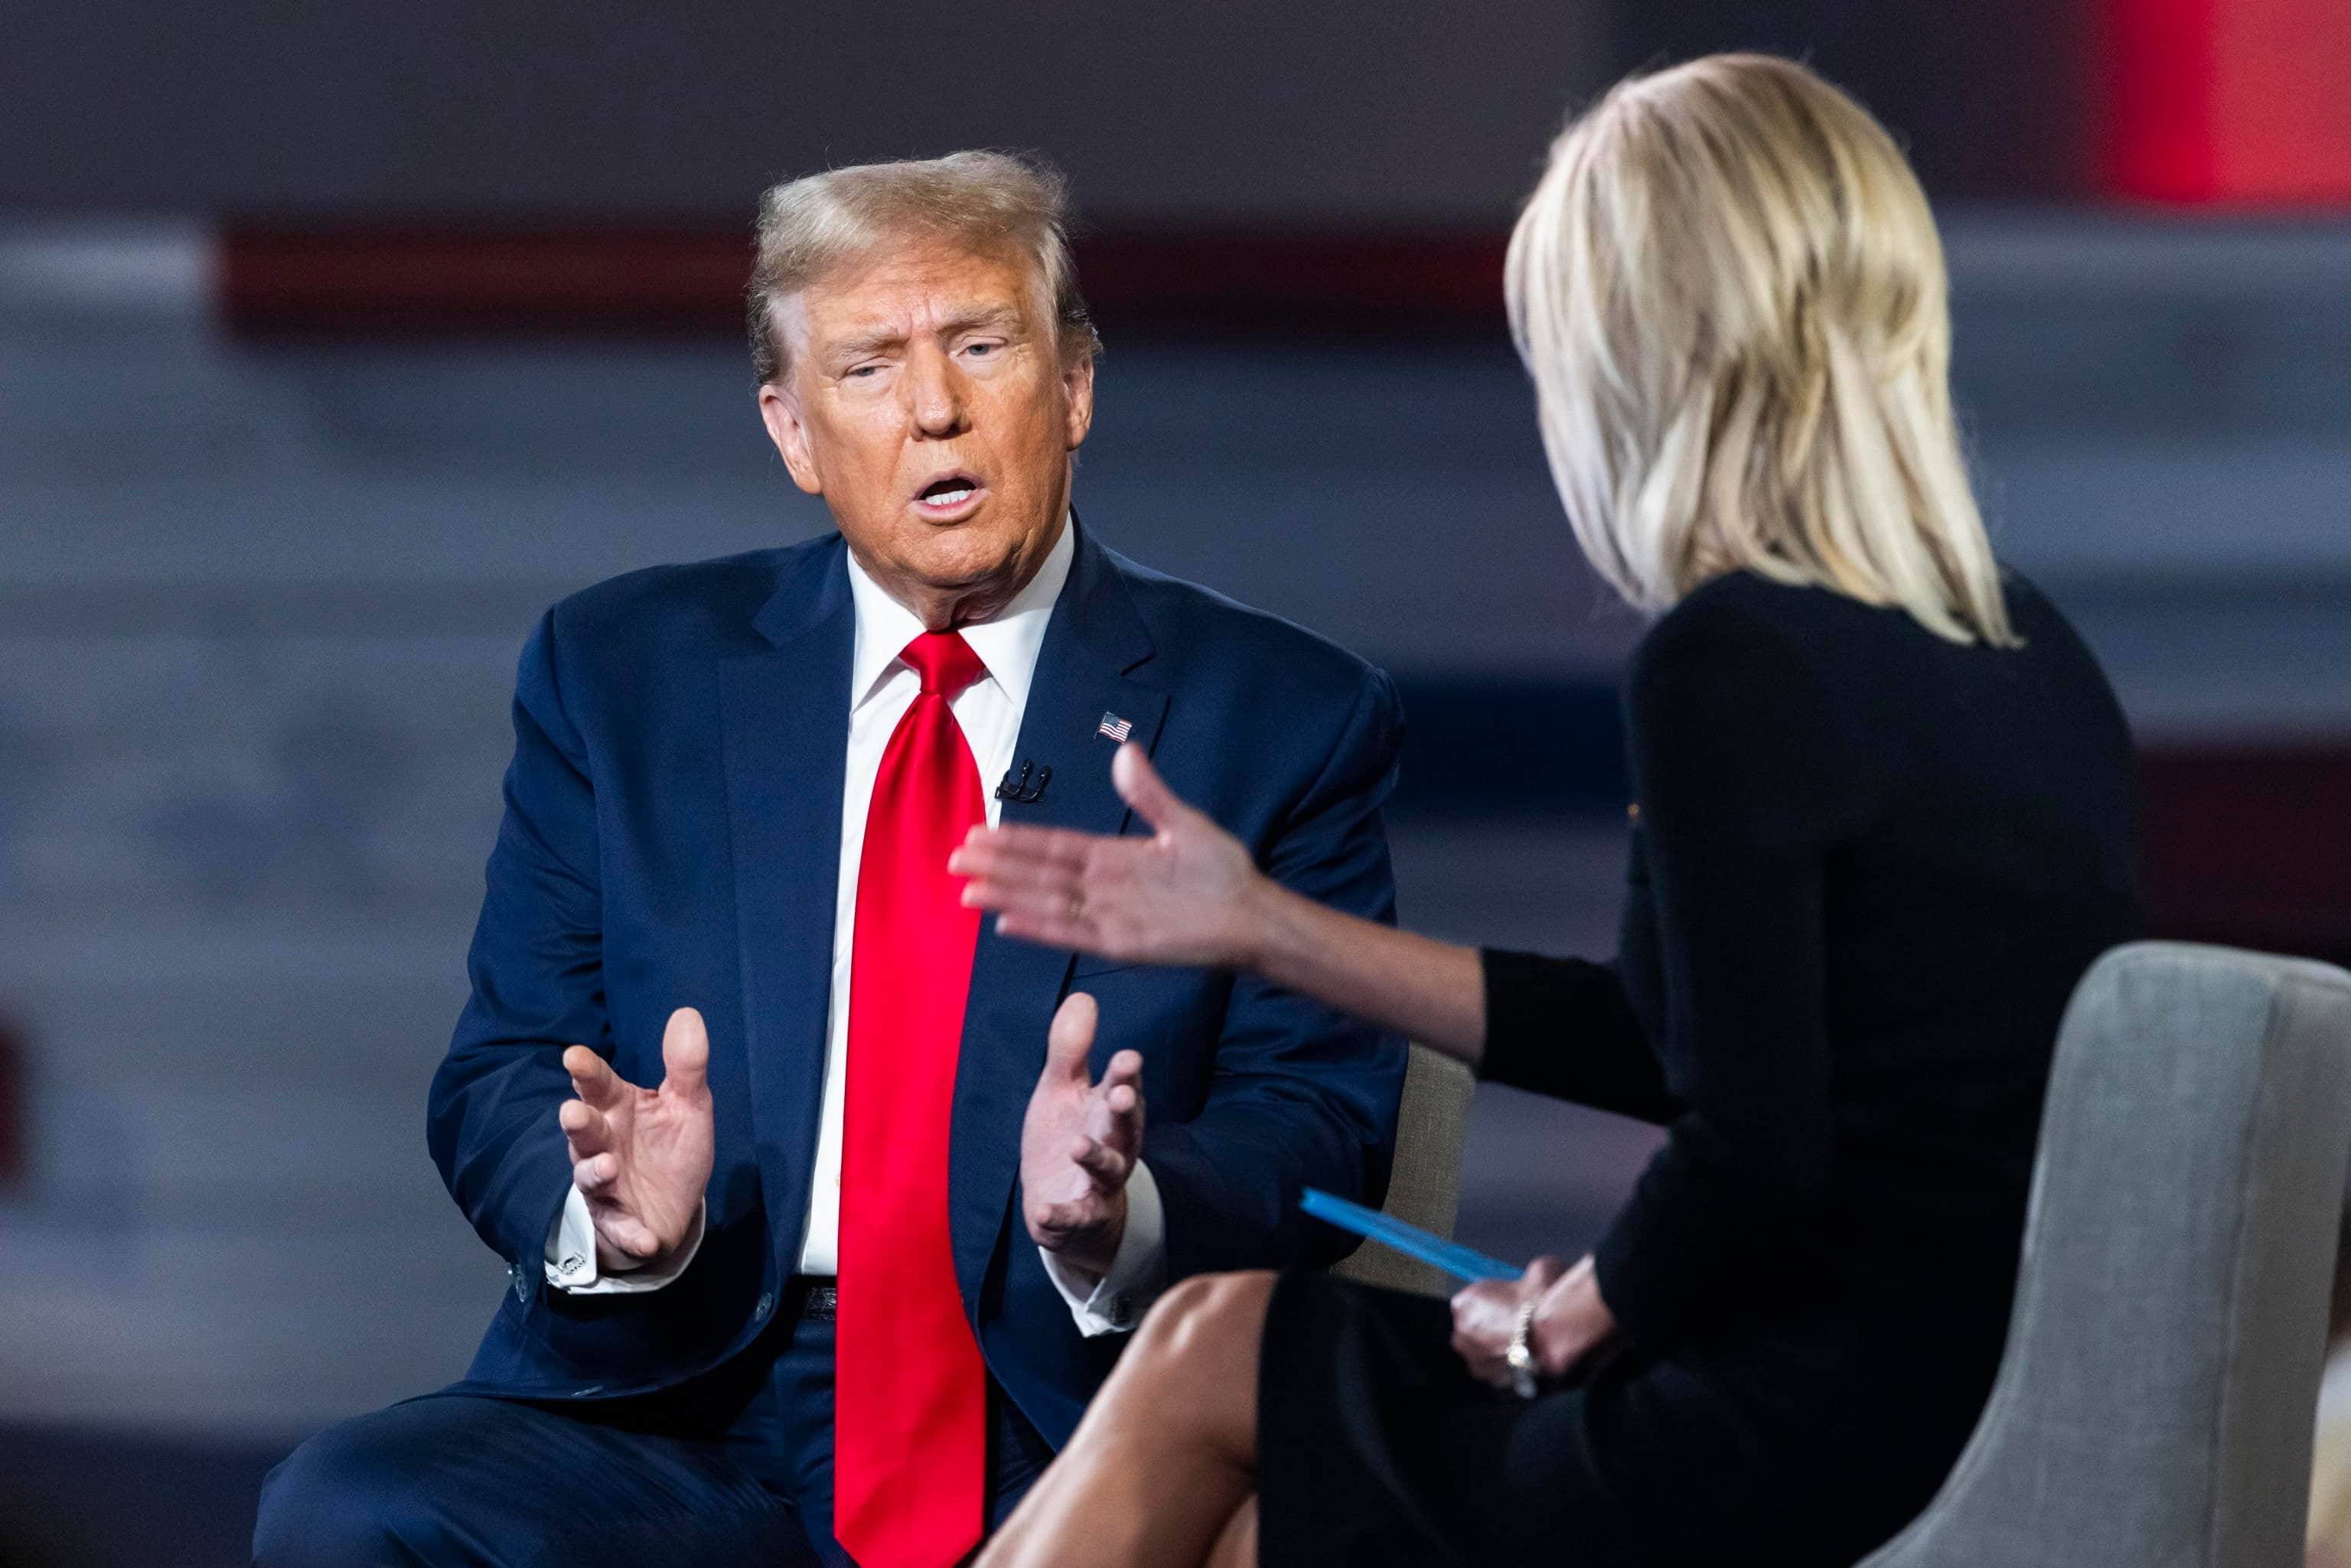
(671, 838)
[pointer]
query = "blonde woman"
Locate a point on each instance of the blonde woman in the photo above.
(1882, 829)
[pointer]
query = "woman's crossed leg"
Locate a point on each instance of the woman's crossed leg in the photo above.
(1162, 1471)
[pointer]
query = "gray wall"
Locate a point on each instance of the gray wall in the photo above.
(1402, 111)
(1218, 108)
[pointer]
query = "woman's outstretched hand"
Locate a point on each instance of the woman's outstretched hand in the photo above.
(1570, 1319)
(1186, 895)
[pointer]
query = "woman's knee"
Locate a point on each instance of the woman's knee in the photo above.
(1195, 1358)
(1206, 1311)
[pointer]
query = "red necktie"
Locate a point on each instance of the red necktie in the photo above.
(910, 1424)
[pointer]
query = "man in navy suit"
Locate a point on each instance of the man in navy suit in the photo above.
(827, 1209)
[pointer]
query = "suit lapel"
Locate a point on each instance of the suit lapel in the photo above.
(1093, 640)
(784, 710)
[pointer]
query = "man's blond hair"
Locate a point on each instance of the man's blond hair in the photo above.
(1729, 293)
(987, 202)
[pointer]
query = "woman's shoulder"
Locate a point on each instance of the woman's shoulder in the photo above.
(1746, 602)
(1744, 608)
(1760, 690)
(1738, 654)
(1743, 644)
(1746, 626)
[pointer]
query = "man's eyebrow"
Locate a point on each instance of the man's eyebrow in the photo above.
(873, 340)
(857, 345)
(1000, 317)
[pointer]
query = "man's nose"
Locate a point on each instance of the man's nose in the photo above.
(936, 393)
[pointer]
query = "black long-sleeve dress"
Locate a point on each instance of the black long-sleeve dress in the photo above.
(1868, 867)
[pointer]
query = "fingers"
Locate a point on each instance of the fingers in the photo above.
(596, 1176)
(1053, 1226)
(1020, 871)
(586, 1129)
(1139, 785)
(1572, 1317)
(1030, 877)
(1107, 1166)
(1482, 1317)
(1115, 1117)
(1019, 853)
(1049, 903)
(996, 880)
(1486, 1317)
(593, 1078)
(1061, 1220)
(624, 1232)
(1484, 1314)
(1481, 1299)
(1070, 1038)
(1058, 931)
(686, 1054)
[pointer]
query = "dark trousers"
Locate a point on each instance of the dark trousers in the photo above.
(736, 1468)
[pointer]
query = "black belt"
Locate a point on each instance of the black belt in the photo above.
(817, 1297)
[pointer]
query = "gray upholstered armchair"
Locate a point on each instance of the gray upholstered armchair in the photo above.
(2154, 1407)
(1425, 1184)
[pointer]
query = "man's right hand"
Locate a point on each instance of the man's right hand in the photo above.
(641, 1156)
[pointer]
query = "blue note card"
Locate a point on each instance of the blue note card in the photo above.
(1409, 1239)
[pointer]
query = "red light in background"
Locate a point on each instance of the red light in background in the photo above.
(2239, 102)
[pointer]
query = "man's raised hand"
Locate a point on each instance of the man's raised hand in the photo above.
(1079, 1144)
(641, 1156)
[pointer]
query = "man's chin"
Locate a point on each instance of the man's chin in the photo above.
(967, 554)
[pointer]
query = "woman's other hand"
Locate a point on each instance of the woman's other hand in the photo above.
(1570, 1319)
(1183, 895)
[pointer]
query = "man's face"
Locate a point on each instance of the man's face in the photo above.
(924, 397)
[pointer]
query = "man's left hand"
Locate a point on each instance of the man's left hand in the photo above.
(1079, 1143)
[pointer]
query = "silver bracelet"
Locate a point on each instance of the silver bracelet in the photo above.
(1521, 1357)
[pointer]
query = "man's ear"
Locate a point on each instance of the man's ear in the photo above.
(1078, 382)
(780, 411)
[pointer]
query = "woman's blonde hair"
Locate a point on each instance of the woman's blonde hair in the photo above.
(1729, 293)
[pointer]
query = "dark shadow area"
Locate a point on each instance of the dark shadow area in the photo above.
(110, 1499)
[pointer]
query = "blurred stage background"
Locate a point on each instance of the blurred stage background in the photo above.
(335, 343)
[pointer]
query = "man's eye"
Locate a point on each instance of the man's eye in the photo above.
(864, 373)
(982, 350)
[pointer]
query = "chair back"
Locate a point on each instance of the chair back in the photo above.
(1425, 1184)
(2154, 1407)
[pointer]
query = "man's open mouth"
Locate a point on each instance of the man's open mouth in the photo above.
(948, 493)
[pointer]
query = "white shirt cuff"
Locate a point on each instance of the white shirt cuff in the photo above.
(1137, 1274)
(571, 1255)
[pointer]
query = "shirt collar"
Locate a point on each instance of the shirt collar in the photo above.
(1006, 643)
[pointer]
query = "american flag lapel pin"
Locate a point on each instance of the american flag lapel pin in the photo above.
(1117, 728)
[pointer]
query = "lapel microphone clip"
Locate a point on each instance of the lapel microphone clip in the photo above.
(1022, 791)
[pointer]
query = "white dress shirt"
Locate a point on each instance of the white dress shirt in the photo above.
(881, 688)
